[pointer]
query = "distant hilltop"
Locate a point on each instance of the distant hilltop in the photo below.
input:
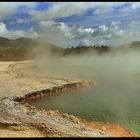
(25, 48)
(20, 42)
(135, 44)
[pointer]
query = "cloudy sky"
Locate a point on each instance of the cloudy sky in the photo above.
(69, 24)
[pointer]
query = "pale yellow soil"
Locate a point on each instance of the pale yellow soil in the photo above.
(19, 78)
(24, 132)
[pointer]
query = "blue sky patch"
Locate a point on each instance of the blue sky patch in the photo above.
(41, 6)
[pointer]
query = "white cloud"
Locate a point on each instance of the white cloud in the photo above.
(135, 5)
(8, 8)
(114, 24)
(64, 9)
(103, 28)
(13, 34)
(63, 35)
(108, 7)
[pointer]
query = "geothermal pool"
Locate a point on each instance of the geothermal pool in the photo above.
(116, 96)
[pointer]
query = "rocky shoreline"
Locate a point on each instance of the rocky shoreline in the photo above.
(53, 90)
(52, 123)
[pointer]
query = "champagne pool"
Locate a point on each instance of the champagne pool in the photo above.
(116, 96)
